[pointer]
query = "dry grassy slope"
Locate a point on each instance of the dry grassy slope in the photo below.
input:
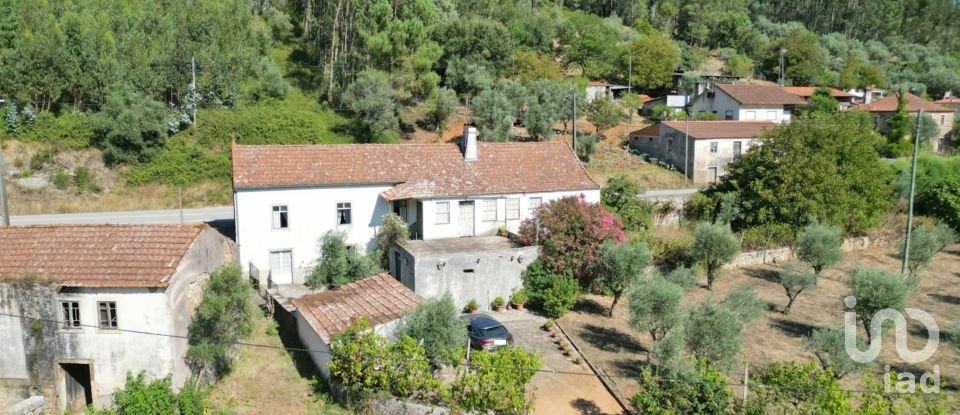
(621, 351)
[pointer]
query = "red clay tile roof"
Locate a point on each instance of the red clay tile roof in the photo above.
(889, 104)
(598, 83)
(760, 94)
(953, 100)
(650, 131)
(721, 129)
(380, 298)
(96, 255)
(808, 91)
(417, 170)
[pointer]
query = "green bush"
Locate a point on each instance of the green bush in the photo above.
(69, 131)
(621, 195)
(828, 345)
(942, 200)
(773, 235)
(674, 253)
(131, 128)
(706, 392)
(700, 208)
(555, 294)
(339, 265)
(437, 324)
(142, 397)
(41, 158)
(819, 246)
(519, 297)
(393, 230)
(84, 179)
(797, 388)
(496, 382)
(224, 317)
(61, 180)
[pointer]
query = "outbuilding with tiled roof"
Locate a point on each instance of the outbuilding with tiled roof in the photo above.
(885, 108)
(380, 299)
(742, 102)
(103, 301)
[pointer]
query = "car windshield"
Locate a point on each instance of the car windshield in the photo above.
(494, 332)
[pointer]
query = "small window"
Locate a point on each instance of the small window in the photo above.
(108, 314)
(943, 119)
(670, 145)
(490, 210)
(71, 314)
(280, 218)
(728, 115)
(343, 213)
(513, 209)
(443, 213)
(651, 139)
(771, 115)
(737, 149)
(713, 147)
(534, 204)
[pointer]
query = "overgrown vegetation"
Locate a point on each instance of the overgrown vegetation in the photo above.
(339, 264)
(148, 397)
(436, 323)
(222, 319)
(553, 293)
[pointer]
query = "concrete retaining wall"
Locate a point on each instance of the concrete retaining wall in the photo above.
(380, 406)
(778, 255)
(30, 406)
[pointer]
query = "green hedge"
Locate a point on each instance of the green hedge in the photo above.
(69, 131)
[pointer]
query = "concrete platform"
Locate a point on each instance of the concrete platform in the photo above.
(458, 245)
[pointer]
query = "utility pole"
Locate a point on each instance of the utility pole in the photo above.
(180, 202)
(3, 192)
(913, 187)
(630, 73)
(575, 122)
(782, 51)
(686, 147)
(193, 86)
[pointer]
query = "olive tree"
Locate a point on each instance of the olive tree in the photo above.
(621, 265)
(714, 245)
(924, 244)
(819, 245)
(393, 230)
(795, 281)
(437, 325)
(828, 346)
(714, 333)
(875, 289)
(655, 306)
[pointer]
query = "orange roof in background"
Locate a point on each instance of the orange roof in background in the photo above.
(416, 170)
(760, 94)
(649, 131)
(598, 83)
(96, 255)
(808, 91)
(889, 104)
(721, 129)
(953, 100)
(380, 298)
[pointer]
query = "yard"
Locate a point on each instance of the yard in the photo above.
(272, 380)
(620, 351)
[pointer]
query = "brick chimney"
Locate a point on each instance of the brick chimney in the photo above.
(469, 143)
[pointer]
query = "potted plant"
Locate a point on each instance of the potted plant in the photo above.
(519, 298)
(472, 306)
(548, 324)
(499, 304)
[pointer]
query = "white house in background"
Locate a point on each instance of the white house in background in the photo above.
(90, 296)
(711, 145)
(599, 89)
(866, 96)
(287, 196)
(322, 316)
(747, 103)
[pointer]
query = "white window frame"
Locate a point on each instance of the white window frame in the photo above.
(771, 115)
(737, 148)
(513, 212)
(72, 317)
(349, 209)
(750, 115)
(441, 216)
(714, 146)
(533, 203)
(278, 214)
(115, 319)
(488, 214)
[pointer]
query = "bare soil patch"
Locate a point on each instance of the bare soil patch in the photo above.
(620, 351)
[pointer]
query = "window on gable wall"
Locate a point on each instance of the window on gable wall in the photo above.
(280, 218)
(343, 213)
(108, 314)
(71, 314)
(490, 210)
(513, 208)
(713, 147)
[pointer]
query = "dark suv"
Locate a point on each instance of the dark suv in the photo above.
(486, 332)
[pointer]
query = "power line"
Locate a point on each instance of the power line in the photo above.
(399, 362)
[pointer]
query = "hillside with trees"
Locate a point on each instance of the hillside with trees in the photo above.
(161, 88)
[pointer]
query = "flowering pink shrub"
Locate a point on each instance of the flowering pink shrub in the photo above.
(570, 233)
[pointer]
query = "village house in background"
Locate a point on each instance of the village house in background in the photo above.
(597, 89)
(866, 95)
(844, 99)
(950, 102)
(322, 316)
(287, 196)
(87, 294)
(676, 103)
(711, 145)
(883, 109)
(747, 103)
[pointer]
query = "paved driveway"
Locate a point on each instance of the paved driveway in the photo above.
(575, 389)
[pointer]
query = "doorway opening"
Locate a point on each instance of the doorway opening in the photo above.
(77, 388)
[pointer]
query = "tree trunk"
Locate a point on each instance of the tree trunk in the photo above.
(616, 299)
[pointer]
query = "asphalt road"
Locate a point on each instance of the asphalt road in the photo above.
(203, 215)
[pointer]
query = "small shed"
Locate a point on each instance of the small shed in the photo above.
(322, 316)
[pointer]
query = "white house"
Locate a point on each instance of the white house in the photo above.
(84, 305)
(747, 103)
(322, 316)
(287, 196)
(711, 145)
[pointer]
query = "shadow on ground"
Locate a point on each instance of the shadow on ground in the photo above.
(610, 339)
(793, 328)
(585, 407)
(590, 306)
